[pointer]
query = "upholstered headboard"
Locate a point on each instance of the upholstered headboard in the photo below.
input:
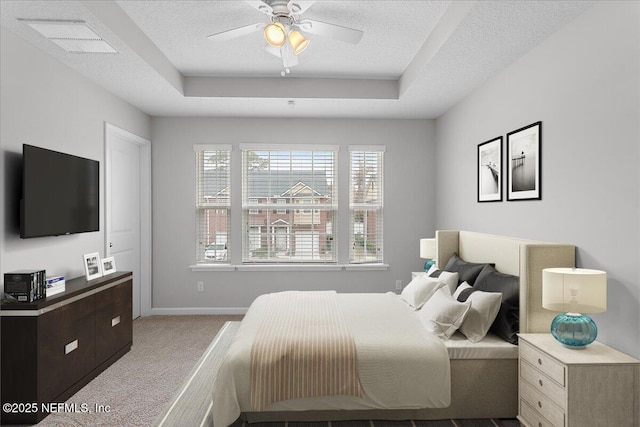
(519, 257)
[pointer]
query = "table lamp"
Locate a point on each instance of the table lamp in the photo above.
(574, 291)
(428, 252)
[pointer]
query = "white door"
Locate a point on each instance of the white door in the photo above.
(123, 207)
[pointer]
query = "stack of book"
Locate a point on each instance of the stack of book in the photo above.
(25, 285)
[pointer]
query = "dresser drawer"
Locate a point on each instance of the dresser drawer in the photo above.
(543, 384)
(544, 363)
(533, 418)
(113, 320)
(66, 347)
(543, 405)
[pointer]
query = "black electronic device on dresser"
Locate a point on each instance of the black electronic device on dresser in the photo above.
(53, 347)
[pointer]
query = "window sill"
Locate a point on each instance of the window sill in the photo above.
(212, 267)
(366, 267)
(289, 267)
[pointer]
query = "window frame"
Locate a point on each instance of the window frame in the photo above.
(277, 218)
(376, 206)
(205, 210)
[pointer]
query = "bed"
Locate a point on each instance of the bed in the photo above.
(483, 376)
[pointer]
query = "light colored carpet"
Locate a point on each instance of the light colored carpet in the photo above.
(192, 405)
(139, 386)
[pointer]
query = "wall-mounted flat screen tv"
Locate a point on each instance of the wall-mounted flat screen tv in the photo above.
(60, 193)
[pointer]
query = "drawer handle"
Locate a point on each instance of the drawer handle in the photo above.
(540, 382)
(70, 347)
(539, 404)
(539, 424)
(115, 321)
(539, 361)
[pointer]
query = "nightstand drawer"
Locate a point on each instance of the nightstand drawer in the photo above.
(542, 383)
(542, 362)
(532, 418)
(544, 406)
(596, 386)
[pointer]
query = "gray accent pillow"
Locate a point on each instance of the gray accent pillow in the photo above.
(467, 271)
(507, 323)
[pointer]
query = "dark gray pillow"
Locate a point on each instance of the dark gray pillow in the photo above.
(467, 271)
(507, 323)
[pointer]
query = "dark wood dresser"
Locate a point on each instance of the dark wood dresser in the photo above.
(53, 347)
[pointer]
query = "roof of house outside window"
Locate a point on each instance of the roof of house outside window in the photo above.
(264, 183)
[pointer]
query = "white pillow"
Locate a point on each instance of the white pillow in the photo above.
(442, 314)
(420, 289)
(451, 279)
(484, 309)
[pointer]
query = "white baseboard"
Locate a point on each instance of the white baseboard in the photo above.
(198, 310)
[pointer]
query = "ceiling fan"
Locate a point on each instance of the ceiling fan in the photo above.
(284, 32)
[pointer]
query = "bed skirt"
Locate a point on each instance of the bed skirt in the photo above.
(480, 388)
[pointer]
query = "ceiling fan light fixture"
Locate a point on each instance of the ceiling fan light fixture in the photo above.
(274, 34)
(298, 41)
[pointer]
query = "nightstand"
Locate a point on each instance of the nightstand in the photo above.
(562, 387)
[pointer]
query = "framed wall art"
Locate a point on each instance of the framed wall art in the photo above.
(523, 158)
(490, 171)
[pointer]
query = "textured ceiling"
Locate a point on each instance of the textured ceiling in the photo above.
(415, 60)
(384, 51)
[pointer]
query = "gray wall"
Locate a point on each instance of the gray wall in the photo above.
(583, 84)
(47, 104)
(409, 192)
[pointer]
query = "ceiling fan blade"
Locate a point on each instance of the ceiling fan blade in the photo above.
(237, 32)
(337, 32)
(297, 7)
(260, 5)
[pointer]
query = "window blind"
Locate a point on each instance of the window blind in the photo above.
(366, 203)
(213, 203)
(289, 204)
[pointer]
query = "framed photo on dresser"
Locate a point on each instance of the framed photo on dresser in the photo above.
(523, 163)
(490, 170)
(92, 266)
(108, 266)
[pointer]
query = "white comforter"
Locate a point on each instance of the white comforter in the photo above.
(400, 364)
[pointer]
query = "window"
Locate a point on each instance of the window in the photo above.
(304, 176)
(253, 202)
(366, 204)
(213, 205)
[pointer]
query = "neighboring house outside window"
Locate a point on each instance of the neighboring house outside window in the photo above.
(303, 179)
(213, 203)
(366, 203)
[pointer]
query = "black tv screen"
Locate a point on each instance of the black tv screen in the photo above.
(60, 193)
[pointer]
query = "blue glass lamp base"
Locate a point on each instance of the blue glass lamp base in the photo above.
(428, 264)
(574, 330)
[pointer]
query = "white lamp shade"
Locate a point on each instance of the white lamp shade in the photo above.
(576, 290)
(274, 34)
(298, 42)
(427, 248)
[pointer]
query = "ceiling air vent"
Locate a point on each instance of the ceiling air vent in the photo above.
(72, 36)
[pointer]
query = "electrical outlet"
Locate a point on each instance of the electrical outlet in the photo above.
(200, 286)
(398, 285)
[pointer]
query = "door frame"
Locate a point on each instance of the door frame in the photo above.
(145, 209)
